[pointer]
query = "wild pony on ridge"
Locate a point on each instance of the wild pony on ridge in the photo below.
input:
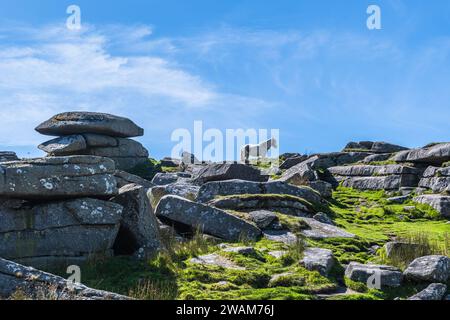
(257, 150)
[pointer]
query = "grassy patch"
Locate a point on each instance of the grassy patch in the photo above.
(370, 216)
(147, 170)
(367, 214)
(415, 246)
(170, 169)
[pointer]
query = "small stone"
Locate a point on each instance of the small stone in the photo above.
(318, 259)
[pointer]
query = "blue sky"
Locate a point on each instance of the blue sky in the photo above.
(309, 68)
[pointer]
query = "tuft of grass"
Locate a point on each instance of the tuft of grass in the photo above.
(294, 224)
(265, 163)
(296, 250)
(421, 244)
(154, 290)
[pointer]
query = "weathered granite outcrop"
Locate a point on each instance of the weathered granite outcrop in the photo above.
(56, 232)
(263, 219)
(212, 221)
(292, 161)
(375, 147)
(366, 177)
(211, 190)
(286, 204)
(377, 157)
(399, 249)
(126, 153)
(86, 133)
(170, 162)
(58, 177)
(439, 202)
(139, 229)
(434, 154)
(436, 179)
(228, 171)
(310, 169)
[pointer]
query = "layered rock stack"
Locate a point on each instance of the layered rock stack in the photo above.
(75, 204)
(370, 165)
(96, 134)
(56, 210)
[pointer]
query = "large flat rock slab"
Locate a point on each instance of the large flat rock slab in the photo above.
(367, 177)
(89, 122)
(210, 220)
(59, 229)
(375, 147)
(309, 170)
(228, 171)
(367, 170)
(389, 183)
(59, 177)
(434, 154)
(281, 203)
(319, 230)
(211, 190)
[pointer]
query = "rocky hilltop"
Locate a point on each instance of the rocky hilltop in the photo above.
(368, 222)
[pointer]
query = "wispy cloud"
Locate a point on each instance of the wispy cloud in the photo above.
(310, 84)
(51, 69)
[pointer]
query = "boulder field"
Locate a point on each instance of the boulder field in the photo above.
(368, 222)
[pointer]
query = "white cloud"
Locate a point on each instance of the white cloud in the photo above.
(51, 69)
(229, 78)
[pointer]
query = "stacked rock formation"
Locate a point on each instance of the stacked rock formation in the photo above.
(65, 208)
(370, 165)
(96, 134)
(56, 209)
